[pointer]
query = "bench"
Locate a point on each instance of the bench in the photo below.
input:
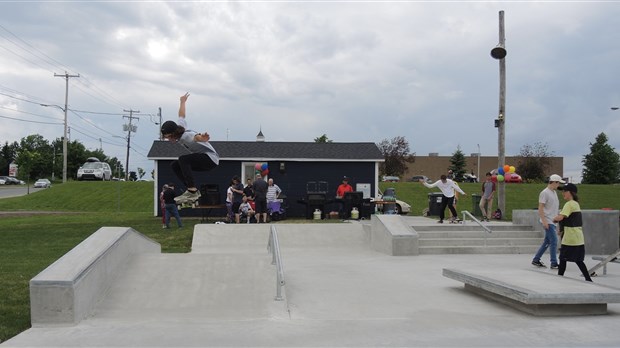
(537, 293)
(67, 291)
(207, 209)
(603, 258)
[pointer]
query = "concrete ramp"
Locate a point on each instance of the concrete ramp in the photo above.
(194, 286)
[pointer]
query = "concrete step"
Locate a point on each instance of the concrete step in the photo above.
(434, 250)
(470, 226)
(479, 242)
(478, 234)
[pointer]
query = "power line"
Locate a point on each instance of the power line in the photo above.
(30, 121)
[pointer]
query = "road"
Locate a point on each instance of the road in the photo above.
(16, 190)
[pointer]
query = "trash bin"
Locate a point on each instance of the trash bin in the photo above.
(434, 203)
(475, 205)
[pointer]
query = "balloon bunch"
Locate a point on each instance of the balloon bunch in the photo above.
(262, 168)
(503, 173)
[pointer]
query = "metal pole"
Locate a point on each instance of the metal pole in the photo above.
(64, 138)
(501, 134)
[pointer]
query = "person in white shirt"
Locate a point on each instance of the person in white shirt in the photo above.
(548, 207)
(448, 189)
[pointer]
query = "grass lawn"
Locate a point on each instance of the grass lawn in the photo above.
(30, 243)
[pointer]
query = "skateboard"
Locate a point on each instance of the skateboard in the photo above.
(456, 221)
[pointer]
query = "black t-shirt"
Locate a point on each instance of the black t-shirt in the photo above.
(260, 189)
(248, 191)
(238, 197)
(169, 195)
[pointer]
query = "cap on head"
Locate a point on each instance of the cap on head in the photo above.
(570, 188)
(556, 178)
(168, 127)
(345, 178)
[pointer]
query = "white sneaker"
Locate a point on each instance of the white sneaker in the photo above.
(188, 196)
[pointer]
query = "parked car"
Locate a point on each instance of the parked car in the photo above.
(469, 178)
(9, 180)
(93, 169)
(2, 182)
(42, 183)
(390, 179)
(417, 178)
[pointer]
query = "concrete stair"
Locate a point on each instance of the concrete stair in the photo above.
(472, 239)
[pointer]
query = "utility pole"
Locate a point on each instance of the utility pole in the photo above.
(129, 129)
(64, 138)
(499, 53)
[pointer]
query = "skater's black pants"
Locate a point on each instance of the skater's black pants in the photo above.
(183, 167)
(447, 202)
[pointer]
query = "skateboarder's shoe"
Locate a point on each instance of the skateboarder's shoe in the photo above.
(188, 196)
(538, 264)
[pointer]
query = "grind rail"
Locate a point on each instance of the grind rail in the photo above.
(273, 247)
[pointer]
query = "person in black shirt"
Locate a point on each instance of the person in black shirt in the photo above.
(260, 187)
(171, 206)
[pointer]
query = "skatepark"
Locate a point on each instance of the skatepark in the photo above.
(341, 286)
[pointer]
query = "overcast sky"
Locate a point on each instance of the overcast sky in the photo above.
(355, 71)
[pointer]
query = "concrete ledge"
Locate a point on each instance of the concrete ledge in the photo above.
(390, 234)
(600, 228)
(538, 293)
(66, 291)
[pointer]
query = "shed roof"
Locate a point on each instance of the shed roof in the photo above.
(245, 150)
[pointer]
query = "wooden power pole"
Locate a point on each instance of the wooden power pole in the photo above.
(499, 53)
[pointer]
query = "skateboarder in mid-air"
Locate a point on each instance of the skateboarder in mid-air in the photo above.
(203, 156)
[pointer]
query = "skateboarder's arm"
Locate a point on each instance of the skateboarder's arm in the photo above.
(204, 137)
(183, 99)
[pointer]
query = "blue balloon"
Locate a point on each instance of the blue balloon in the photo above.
(500, 171)
(264, 166)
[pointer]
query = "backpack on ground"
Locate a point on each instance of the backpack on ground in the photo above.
(497, 214)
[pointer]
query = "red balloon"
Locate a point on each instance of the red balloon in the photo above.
(494, 178)
(265, 172)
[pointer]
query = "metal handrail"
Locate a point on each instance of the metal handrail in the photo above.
(466, 213)
(273, 247)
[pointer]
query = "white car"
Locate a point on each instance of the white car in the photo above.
(402, 207)
(2, 182)
(42, 183)
(93, 169)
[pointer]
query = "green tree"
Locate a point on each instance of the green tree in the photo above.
(322, 139)
(7, 155)
(533, 161)
(457, 164)
(396, 155)
(34, 157)
(602, 164)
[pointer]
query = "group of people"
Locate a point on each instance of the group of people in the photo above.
(572, 248)
(255, 200)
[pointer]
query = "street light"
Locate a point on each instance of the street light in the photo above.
(64, 141)
(614, 108)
